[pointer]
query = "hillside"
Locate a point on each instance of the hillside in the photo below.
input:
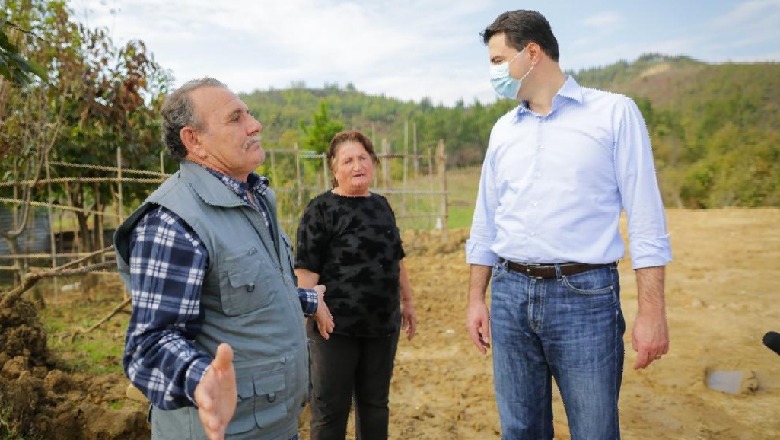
(715, 127)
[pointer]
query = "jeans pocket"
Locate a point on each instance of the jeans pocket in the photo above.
(499, 271)
(593, 282)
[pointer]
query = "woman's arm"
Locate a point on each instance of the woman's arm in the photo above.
(408, 315)
(308, 280)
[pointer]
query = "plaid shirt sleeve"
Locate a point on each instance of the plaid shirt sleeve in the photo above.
(167, 267)
(309, 300)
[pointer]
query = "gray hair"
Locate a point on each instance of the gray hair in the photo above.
(178, 112)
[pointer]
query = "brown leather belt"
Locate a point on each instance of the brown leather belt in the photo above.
(547, 271)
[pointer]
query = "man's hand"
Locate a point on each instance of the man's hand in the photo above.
(323, 316)
(216, 394)
(650, 335)
(478, 324)
(649, 338)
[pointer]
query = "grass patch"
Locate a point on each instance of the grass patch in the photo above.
(462, 186)
(96, 352)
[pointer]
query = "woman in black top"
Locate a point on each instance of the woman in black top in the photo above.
(348, 240)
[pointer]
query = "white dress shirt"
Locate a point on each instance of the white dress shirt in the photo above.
(553, 186)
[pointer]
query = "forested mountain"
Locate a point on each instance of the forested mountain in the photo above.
(715, 127)
(465, 129)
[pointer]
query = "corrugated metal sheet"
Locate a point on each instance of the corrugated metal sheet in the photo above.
(35, 237)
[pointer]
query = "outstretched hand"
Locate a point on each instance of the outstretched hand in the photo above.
(216, 394)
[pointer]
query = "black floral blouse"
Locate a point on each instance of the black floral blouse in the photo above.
(353, 243)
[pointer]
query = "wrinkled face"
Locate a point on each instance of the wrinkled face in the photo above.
(229, 139)
(353, 168)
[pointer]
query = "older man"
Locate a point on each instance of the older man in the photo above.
(216, 339)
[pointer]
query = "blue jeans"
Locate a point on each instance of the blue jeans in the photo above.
(569, 328)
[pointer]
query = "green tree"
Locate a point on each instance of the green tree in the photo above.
(13, 66)
(321, 131)
(98, 97)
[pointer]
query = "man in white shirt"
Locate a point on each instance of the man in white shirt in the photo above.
(558, 171)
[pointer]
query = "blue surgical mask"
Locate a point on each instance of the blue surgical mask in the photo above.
(502, 82)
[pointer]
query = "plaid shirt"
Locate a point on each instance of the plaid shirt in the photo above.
(167, 265)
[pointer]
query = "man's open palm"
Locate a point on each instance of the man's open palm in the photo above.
(216, 394)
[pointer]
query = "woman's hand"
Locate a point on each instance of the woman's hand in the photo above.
(322, 316)
(408, 318)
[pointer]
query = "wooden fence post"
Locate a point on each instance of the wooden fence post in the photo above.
(441, 167)
(414, 150)
(386, 164)
(298, 175)
(120, 201)
(406, 167)
(18, 267)
(273, 167)
(430, 182)
(52, 241)
(325, 177)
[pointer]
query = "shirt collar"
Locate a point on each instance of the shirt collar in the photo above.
(570, 90)
(254, 182)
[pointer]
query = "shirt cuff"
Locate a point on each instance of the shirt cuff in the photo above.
(651, 252)
(194, 374)
(480, 255)
(309, 301)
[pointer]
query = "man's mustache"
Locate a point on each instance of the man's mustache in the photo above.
(252, 140)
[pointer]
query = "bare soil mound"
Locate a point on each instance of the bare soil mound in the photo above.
(40, 401)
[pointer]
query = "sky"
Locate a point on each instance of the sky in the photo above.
(415, 49)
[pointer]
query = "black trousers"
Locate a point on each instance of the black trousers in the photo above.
(344, 367)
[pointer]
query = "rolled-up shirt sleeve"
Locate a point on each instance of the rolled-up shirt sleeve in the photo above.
(483, 227)
(648, 237)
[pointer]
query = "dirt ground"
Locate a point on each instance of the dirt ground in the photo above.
(721, 299)
(41, 401)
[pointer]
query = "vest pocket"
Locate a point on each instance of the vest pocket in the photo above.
(243, 419)
(270, 400)
(262, 400)
(244, 285)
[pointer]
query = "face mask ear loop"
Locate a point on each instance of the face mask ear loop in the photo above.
(515, 57)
